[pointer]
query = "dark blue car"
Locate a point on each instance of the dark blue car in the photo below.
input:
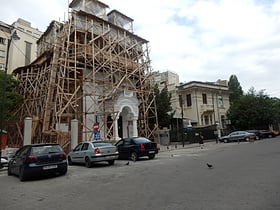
(37, 160)
(135, 147)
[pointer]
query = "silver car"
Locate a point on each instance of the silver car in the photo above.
(89, 153)
(238, 136)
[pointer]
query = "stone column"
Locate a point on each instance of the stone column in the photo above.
(27, 131)
(134, 127)
(74, 133)
(115, 127)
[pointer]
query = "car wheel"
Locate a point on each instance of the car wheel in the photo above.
(152, 156)
(257, 138)
(63, 172)
(134, 156)
(269, 136)
(70, 161)
(22, 176)
(111, 162)
(87, 162)
(225, 141)
(9, 171)
(247, 139)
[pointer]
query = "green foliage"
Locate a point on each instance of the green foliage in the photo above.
(164, 108)
(235, 90)
(253, 111)
(11, 100)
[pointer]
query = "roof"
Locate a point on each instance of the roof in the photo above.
(75, 2)
(112, 25)
(120, 14)
(192, 84)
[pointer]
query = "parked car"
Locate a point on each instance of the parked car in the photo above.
(135, 147)
(89, 153)
(260, 134)
(38, 159)
(4, 162)
(266, 134)
(256, 132)
(238, 136)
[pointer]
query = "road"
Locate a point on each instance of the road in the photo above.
(245, 176)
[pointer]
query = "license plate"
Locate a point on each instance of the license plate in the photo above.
(151, 151)
(49, 167)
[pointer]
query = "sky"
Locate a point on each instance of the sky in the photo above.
(200, 40)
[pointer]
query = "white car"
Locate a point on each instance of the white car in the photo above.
(4, 162)
(89, 153)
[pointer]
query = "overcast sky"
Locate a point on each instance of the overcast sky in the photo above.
(201, 40)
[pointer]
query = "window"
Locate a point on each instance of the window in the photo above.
(27, 53)
(2, 53)
(85, 146)
(220, 101)
(189, 100)
(204, 98)
(2, 66)
(2, 40)
(78, 147)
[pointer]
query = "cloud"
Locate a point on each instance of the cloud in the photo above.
(200, 40)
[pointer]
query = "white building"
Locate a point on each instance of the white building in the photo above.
(205, 103)
(23, 51)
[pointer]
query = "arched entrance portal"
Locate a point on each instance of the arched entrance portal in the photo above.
(127, 126)
(126, 120)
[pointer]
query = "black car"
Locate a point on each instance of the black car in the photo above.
(266, 134)
(38, 159)
(261, 134)
(135, 147)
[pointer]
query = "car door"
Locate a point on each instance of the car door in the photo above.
(127, 148)
(242, 135)
(234, 136)
(76, 153)
(83, 152)
(19, 159)
(119, 145)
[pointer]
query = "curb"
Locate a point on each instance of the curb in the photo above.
(171, 147)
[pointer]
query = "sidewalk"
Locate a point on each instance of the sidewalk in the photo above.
(179, 145)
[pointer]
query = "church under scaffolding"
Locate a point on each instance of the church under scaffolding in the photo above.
(94, 69)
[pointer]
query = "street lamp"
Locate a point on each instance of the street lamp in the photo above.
(182, 116)
(14, 36)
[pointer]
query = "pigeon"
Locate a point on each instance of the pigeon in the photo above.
(127, 163)
(209, 165)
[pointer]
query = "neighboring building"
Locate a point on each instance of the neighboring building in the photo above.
(205, 103)
(22, 51)
(170, 80)
(202, 103)
(5, 33)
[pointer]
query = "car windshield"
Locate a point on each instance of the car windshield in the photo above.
(101, 144)
(45, 149)
(141, 140)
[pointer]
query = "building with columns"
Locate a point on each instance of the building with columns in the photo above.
(205, 103)
(195, 103)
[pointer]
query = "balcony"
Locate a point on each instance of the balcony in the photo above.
(206, 108)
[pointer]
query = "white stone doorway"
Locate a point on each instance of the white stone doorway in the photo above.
(126, 120)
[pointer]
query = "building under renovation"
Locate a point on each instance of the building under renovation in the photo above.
(92, 69)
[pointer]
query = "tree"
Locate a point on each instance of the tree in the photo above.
(235, 90)
(12, 98)
(164, 108)
(252, 111)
